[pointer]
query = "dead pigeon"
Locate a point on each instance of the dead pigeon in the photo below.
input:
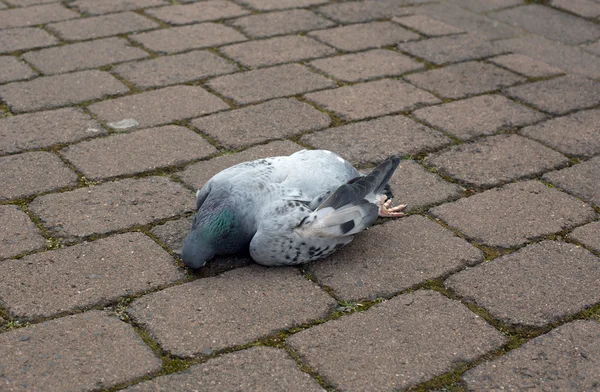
(287, 210)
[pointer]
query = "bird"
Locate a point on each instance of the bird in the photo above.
(287, 210)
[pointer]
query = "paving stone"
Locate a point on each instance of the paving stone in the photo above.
(582, 180)
(488, 5)
(536, 285)
(18, 133)
(589, 235)
(276, 51)
(13, 40)
(210, 314)
(74, 352)
(570, 58)
(36, 15)
(91, 273)
(158, 106)
(364, 11)
(102, 26)
(137, 152)
(477, 116)
(274, 119)
(404, 341)
(96, 7)
(84, 55)
(550, 23)
(514, 214)
(364, 36)
(358, 142)
(19, 233)
(268, 5)
(421, 250)
(366, 65)
(559, 95)
(593, 48)
(577, 134)
(197, 174)
(496, 160)
(585, 8)
(372, 99)
(526, 65)
(451, 48)
(179, 39)
(11, 69)
(426, 25)
(417, 188)
(464, 79)
(253, 369)
(174, 69)
(565, 359)
(111, 206)
(33, 172)
(24, 3)
(60, 90)
(267, 83)
(197, 12)
(282, 22)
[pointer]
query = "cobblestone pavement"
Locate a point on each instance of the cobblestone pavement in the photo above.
(113, 112)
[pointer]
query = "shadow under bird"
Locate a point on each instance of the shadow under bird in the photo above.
(287, 210)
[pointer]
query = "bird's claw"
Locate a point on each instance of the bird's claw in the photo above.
(387, 211)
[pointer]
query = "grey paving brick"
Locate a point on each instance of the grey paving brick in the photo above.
(559, 95)
(36, 15)
(33, 172)
(366, 65)
(582, 180)
(11, 69)
(488, 5)
(477, 116)
(276, 50)
(84, 55)
(565, 359)
(256, 369)
(420, 250)
(268, 5)
(550, 23)
(12, 40)
(180, 68)
(197, 12)
(585, 8)
(451, 49)
(111, 206)
(496, 160)
(364, 36)
(19, 233)
(426, 25)
(137, 152)
(18, 133)
(576, 134)
(364, 11)
(281, 22)
(60, 90)
(102, 26)
(211, 314)
(74, 352)
(464, 79)
(197, 174)
(570, 58)
(369, 142)
(408, 340)
(593, 48)
(589, 235)
(91, 273)
(526, 65)
(179, 39)
(514, 214)
(372, 99)
(417, 188)
(536, 285)
(96, 7)
(274, 119)
(158, 106)
(267, 83)
(25, 3)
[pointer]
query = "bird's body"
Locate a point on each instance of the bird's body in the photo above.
(287, 210)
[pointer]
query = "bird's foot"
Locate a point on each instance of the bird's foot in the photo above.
(387, 211)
